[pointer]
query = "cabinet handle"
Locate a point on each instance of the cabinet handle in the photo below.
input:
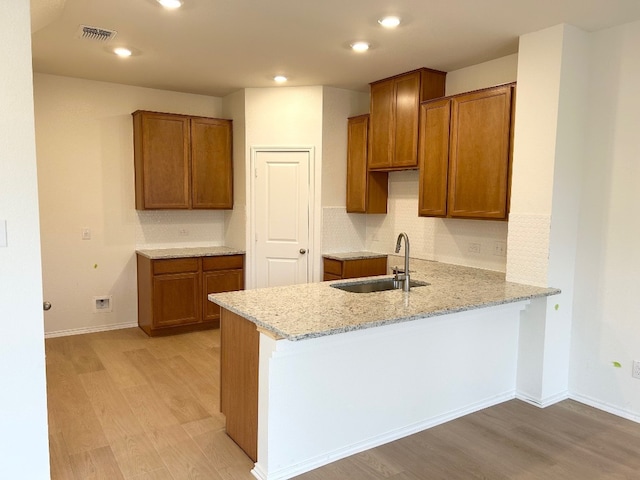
(303, 251)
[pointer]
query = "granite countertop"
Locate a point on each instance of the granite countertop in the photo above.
(184, 252)
(353, 255)
(312, 310)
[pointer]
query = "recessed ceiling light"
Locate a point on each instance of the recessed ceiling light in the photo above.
(360, 46)
(389, 22)
(122, 52)
(280, 79)
(170, 4)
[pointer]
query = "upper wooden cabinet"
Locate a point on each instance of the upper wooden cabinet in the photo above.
(465, 154)
(395, 103)
(182, 162)
(366, 191)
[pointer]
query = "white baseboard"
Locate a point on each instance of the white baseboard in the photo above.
(80, 331)
(592, 402)
(329, 457)
(544, 402)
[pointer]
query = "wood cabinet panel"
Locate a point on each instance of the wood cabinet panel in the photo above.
(182, 162)
(172, 293)
(361, 267)
(176, 299)
(175, 265)
(382, 112)
(161, 151)
(218, 281)
(480, 154)
(465, 155)
(212, 181)
(366, 191)
(433, 157)
(406, 120)
(239, 356)
(365, 267)
(222, 262)
(394, 107)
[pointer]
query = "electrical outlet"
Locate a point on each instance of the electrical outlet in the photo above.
(636, 369)
(474, 248)
(500, 249)
(86, 233)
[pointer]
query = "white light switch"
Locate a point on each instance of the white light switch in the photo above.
(3, 233)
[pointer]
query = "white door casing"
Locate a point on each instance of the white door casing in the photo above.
(281, 214)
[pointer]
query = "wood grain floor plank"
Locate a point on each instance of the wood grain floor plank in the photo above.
(98, 464)
(109, 404)
(220, 452)
(169, 387)
(136, 455)
(59, 458)
(150, 410)
(160, 474)
(185, 461)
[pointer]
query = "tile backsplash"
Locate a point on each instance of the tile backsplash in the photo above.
(170, 228)
(472, 243)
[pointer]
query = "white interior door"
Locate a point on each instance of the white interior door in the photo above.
(281, 217)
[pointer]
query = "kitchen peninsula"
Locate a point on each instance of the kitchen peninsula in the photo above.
(311, 373)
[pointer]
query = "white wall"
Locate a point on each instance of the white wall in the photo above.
(607, 280)
(233, 107)
(84, 139)
(444, 240)
(286, 117)
(548, 153)
(24, 448)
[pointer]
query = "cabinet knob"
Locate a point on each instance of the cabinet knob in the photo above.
(46, 306)
(303, 251)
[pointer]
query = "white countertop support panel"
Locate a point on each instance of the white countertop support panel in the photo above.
(329, 397)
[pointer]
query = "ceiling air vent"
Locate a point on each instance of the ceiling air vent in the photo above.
(95, 33)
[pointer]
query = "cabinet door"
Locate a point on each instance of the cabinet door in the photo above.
(211, 163)
(216, 282)
(161, 151)
(382, 108)
(407, 102)
(176, 299)
(433, 155)
(480, 153)
(366, 191)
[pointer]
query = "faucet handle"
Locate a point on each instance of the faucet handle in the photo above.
(397, 270)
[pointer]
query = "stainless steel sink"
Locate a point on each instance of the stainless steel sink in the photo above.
(377, 285)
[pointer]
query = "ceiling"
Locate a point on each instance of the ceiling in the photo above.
(215, 47)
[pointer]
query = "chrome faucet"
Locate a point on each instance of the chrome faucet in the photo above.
(404, 277)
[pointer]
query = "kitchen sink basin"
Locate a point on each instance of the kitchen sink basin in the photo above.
(377, 285)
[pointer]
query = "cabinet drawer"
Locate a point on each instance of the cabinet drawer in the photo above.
(222, 262)
(175, 265)
(333, 266)
(365, 267)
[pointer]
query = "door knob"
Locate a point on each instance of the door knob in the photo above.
(303, 251)
(46, 306)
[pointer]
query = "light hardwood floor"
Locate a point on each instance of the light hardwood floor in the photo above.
(126, 406)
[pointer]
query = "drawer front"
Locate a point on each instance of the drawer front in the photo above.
(222, 262)
(330, 276)
(333, 266)
(366, 267)
(175, 265)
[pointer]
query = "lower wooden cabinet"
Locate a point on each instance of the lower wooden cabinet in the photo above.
(172, 293)
(354, 268)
